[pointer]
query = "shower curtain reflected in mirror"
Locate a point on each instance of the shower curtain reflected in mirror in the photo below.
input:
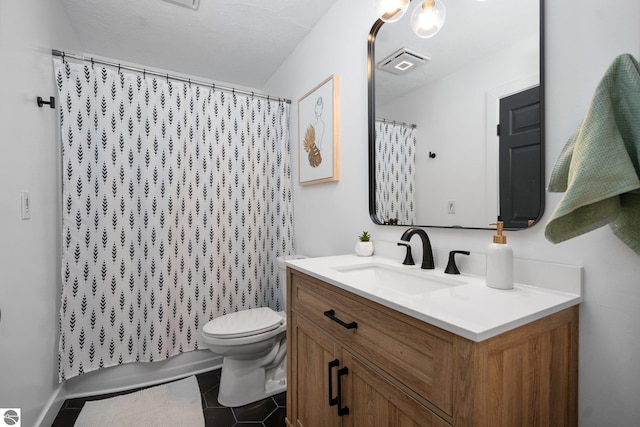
(395, 172)
(176, 203)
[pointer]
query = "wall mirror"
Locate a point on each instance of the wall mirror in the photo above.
(456, 121)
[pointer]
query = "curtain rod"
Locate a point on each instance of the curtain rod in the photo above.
(64, 55)
(393, 122)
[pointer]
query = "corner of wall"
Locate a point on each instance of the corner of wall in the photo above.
(51, 408)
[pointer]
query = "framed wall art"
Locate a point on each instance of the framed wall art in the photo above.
(318, 157)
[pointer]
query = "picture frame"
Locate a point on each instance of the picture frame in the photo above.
(318, 143)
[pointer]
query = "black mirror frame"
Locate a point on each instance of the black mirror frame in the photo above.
(372, 140)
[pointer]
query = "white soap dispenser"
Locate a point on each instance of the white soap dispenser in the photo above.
(499, 261)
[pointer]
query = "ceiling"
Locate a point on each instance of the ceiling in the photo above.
(242, 42)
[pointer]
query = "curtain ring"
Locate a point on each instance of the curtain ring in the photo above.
(167, 78)
(64, 61)
(189, 82)
(92, 63)
(144, 73)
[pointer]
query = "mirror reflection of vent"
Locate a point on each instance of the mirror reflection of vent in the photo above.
(403, 61)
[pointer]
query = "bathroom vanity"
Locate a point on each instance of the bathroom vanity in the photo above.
(454, 354)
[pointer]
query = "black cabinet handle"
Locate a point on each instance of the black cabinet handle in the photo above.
(331, 314)
(332, 400)
(342, 410)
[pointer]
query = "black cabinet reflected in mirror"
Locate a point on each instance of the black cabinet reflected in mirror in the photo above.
(456, 121)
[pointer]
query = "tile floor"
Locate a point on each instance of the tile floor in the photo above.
(269, 412)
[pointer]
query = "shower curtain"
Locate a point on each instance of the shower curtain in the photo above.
(176, 203)
(395, 172)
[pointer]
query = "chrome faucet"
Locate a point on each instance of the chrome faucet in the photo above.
(427, 252)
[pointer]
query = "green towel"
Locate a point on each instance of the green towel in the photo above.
(599, 167)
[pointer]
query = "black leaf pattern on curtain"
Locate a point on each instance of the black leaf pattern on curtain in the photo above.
(395, 172)
(166, 213)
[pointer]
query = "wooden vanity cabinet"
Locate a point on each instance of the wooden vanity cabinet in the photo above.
(353, 362)
(362, 395)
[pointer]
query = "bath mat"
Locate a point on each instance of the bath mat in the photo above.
(173, 404)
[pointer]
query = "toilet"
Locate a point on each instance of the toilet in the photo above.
(253, 346)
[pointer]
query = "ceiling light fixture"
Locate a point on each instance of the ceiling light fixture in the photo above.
(428, 17)
(391, 10)
(426, 20)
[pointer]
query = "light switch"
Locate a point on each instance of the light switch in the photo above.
(25, 204)
(451, 207)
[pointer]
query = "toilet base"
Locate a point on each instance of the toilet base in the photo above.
(241, 382)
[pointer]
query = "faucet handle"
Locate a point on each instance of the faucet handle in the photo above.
(452, 268)
(408, 259)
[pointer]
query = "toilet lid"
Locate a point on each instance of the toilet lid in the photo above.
(244, 323)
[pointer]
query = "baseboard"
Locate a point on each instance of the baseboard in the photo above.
(52, 407)
(127, 377)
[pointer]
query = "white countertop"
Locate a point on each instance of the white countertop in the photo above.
(469, 309)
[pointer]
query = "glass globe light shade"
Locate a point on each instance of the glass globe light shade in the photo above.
(428, 17)
(391, 10)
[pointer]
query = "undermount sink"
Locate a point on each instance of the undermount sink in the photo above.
(386, 279)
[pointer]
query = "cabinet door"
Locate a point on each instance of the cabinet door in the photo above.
(313, 353)
(416, 354)
(375, 402)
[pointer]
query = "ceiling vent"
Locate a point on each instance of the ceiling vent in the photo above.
(191, 4)
(402, 61)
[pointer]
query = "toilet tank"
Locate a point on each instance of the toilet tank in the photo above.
(282, 273)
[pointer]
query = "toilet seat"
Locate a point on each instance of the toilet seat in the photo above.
(243, 323)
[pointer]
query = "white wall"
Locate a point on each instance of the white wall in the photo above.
(29, 254)
(329, 217)
(582, 38)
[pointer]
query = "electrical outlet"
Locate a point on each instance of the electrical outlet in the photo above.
(451, 207)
